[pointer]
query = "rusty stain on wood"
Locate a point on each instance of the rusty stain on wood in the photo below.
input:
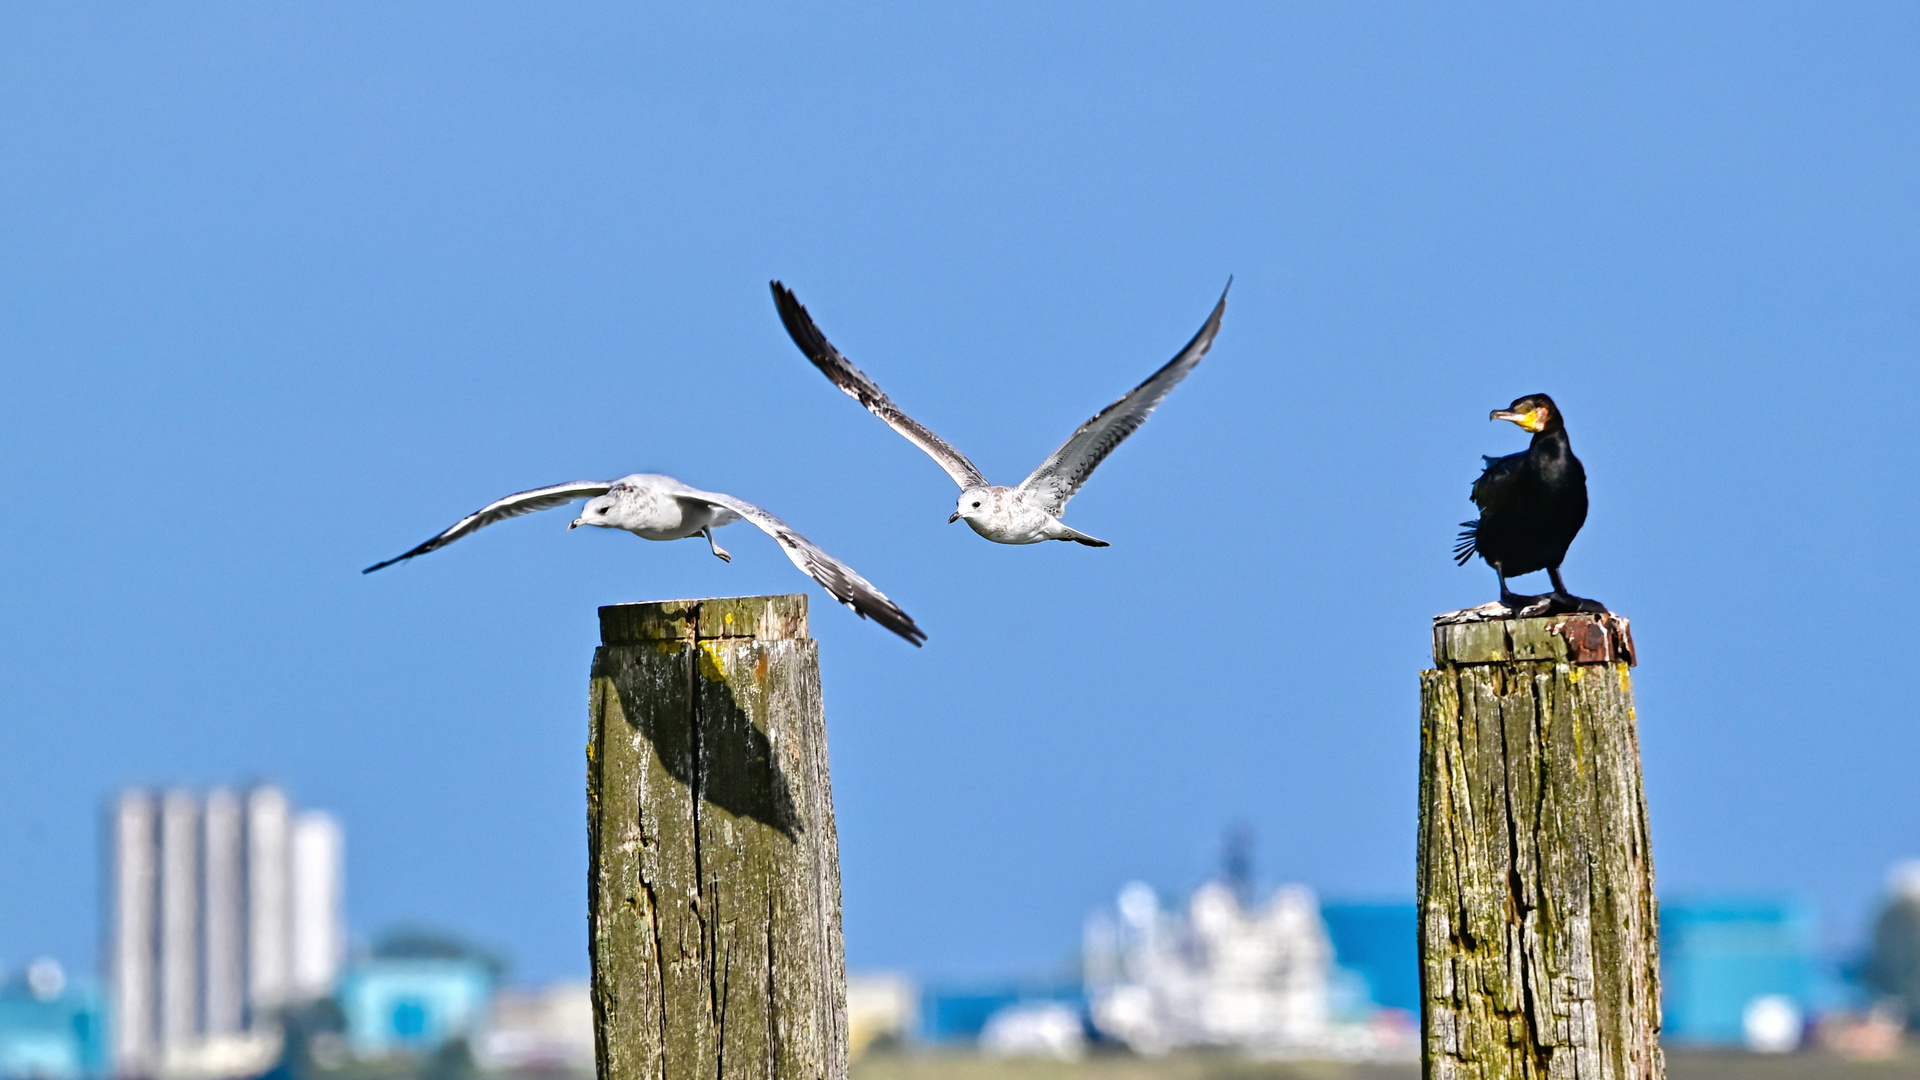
(1538, 928)
(714, 879)
(1575, 639)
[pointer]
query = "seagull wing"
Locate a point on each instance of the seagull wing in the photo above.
(836, 577)
(520, 502)
(1060, 476)
(865, 391)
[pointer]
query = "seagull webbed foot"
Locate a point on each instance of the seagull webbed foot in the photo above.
(718, 552)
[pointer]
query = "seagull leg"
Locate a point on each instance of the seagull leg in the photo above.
(718, 552)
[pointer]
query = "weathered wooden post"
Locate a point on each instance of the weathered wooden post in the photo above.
(714, 914)
(1538, 948)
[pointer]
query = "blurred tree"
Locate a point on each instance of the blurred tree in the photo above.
(453, 1061)
(1893, 964)
(414, 942)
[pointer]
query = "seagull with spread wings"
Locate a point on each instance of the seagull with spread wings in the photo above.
(1031, 512)
(662, 508)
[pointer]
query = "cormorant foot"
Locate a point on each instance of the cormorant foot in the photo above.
(1558, 603)
(1522, 606)
(1567, 602)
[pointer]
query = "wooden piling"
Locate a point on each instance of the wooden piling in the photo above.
(714, 880)
(1538, 932)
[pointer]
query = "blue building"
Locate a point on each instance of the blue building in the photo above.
(957, 1014)
(1718, 955)
(50, 1030)
(413, 1004)
(1377, 942)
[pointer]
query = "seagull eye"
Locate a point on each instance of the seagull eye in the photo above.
(603, 509)
(976, 506)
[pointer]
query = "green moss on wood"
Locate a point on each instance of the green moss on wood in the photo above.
(714, 869)
(1538, 931)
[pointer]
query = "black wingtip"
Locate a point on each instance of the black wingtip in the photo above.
(799, 324)
(895, 620)
(902, 624)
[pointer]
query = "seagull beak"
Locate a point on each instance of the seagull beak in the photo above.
(576, 523)
(954, 518)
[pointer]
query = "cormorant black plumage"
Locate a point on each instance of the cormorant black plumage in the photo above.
(1532, 504)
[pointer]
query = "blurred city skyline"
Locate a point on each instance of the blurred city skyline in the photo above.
(284, 291)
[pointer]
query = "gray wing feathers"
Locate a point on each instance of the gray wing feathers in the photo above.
(520, 502)
(859, 387)
(836, 577)
(1060, 476)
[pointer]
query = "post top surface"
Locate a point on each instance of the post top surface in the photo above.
(765, 618)
(1472, 637)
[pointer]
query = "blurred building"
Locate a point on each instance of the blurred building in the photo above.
(1730, 969)
(960, 1013)
(547, 1030)
(1036, 1029)
(415, 1004)
(50, 1029)
(881, 1009)
(1266, 979)
(224, 909)
(1378, 944)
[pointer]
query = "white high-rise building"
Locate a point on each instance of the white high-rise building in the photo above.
(227, 908)
(319, 938)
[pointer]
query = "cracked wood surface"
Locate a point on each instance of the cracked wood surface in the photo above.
(714, 876)
(1538, 932)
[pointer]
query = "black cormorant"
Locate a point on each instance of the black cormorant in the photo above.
(1532, 504)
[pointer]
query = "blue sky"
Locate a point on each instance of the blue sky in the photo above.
(284, 289)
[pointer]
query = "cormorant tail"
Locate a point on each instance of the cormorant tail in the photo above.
(1466, 546)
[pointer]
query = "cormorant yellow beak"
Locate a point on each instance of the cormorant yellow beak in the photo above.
(1533, 420)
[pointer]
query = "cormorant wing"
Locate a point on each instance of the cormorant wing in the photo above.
(520, 502)
(859, 387)
(839, 579)
(1060, 476)
(1496, 483)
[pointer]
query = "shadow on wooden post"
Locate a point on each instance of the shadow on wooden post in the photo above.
(714, 881)
(1539, 954)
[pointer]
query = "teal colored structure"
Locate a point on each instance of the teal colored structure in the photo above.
(1718, 955)
(57, 1037)
(957, 1014)
(1378, 943)
(413, 1005)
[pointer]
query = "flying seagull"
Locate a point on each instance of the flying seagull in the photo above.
(662, 508)
(1031, 512)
